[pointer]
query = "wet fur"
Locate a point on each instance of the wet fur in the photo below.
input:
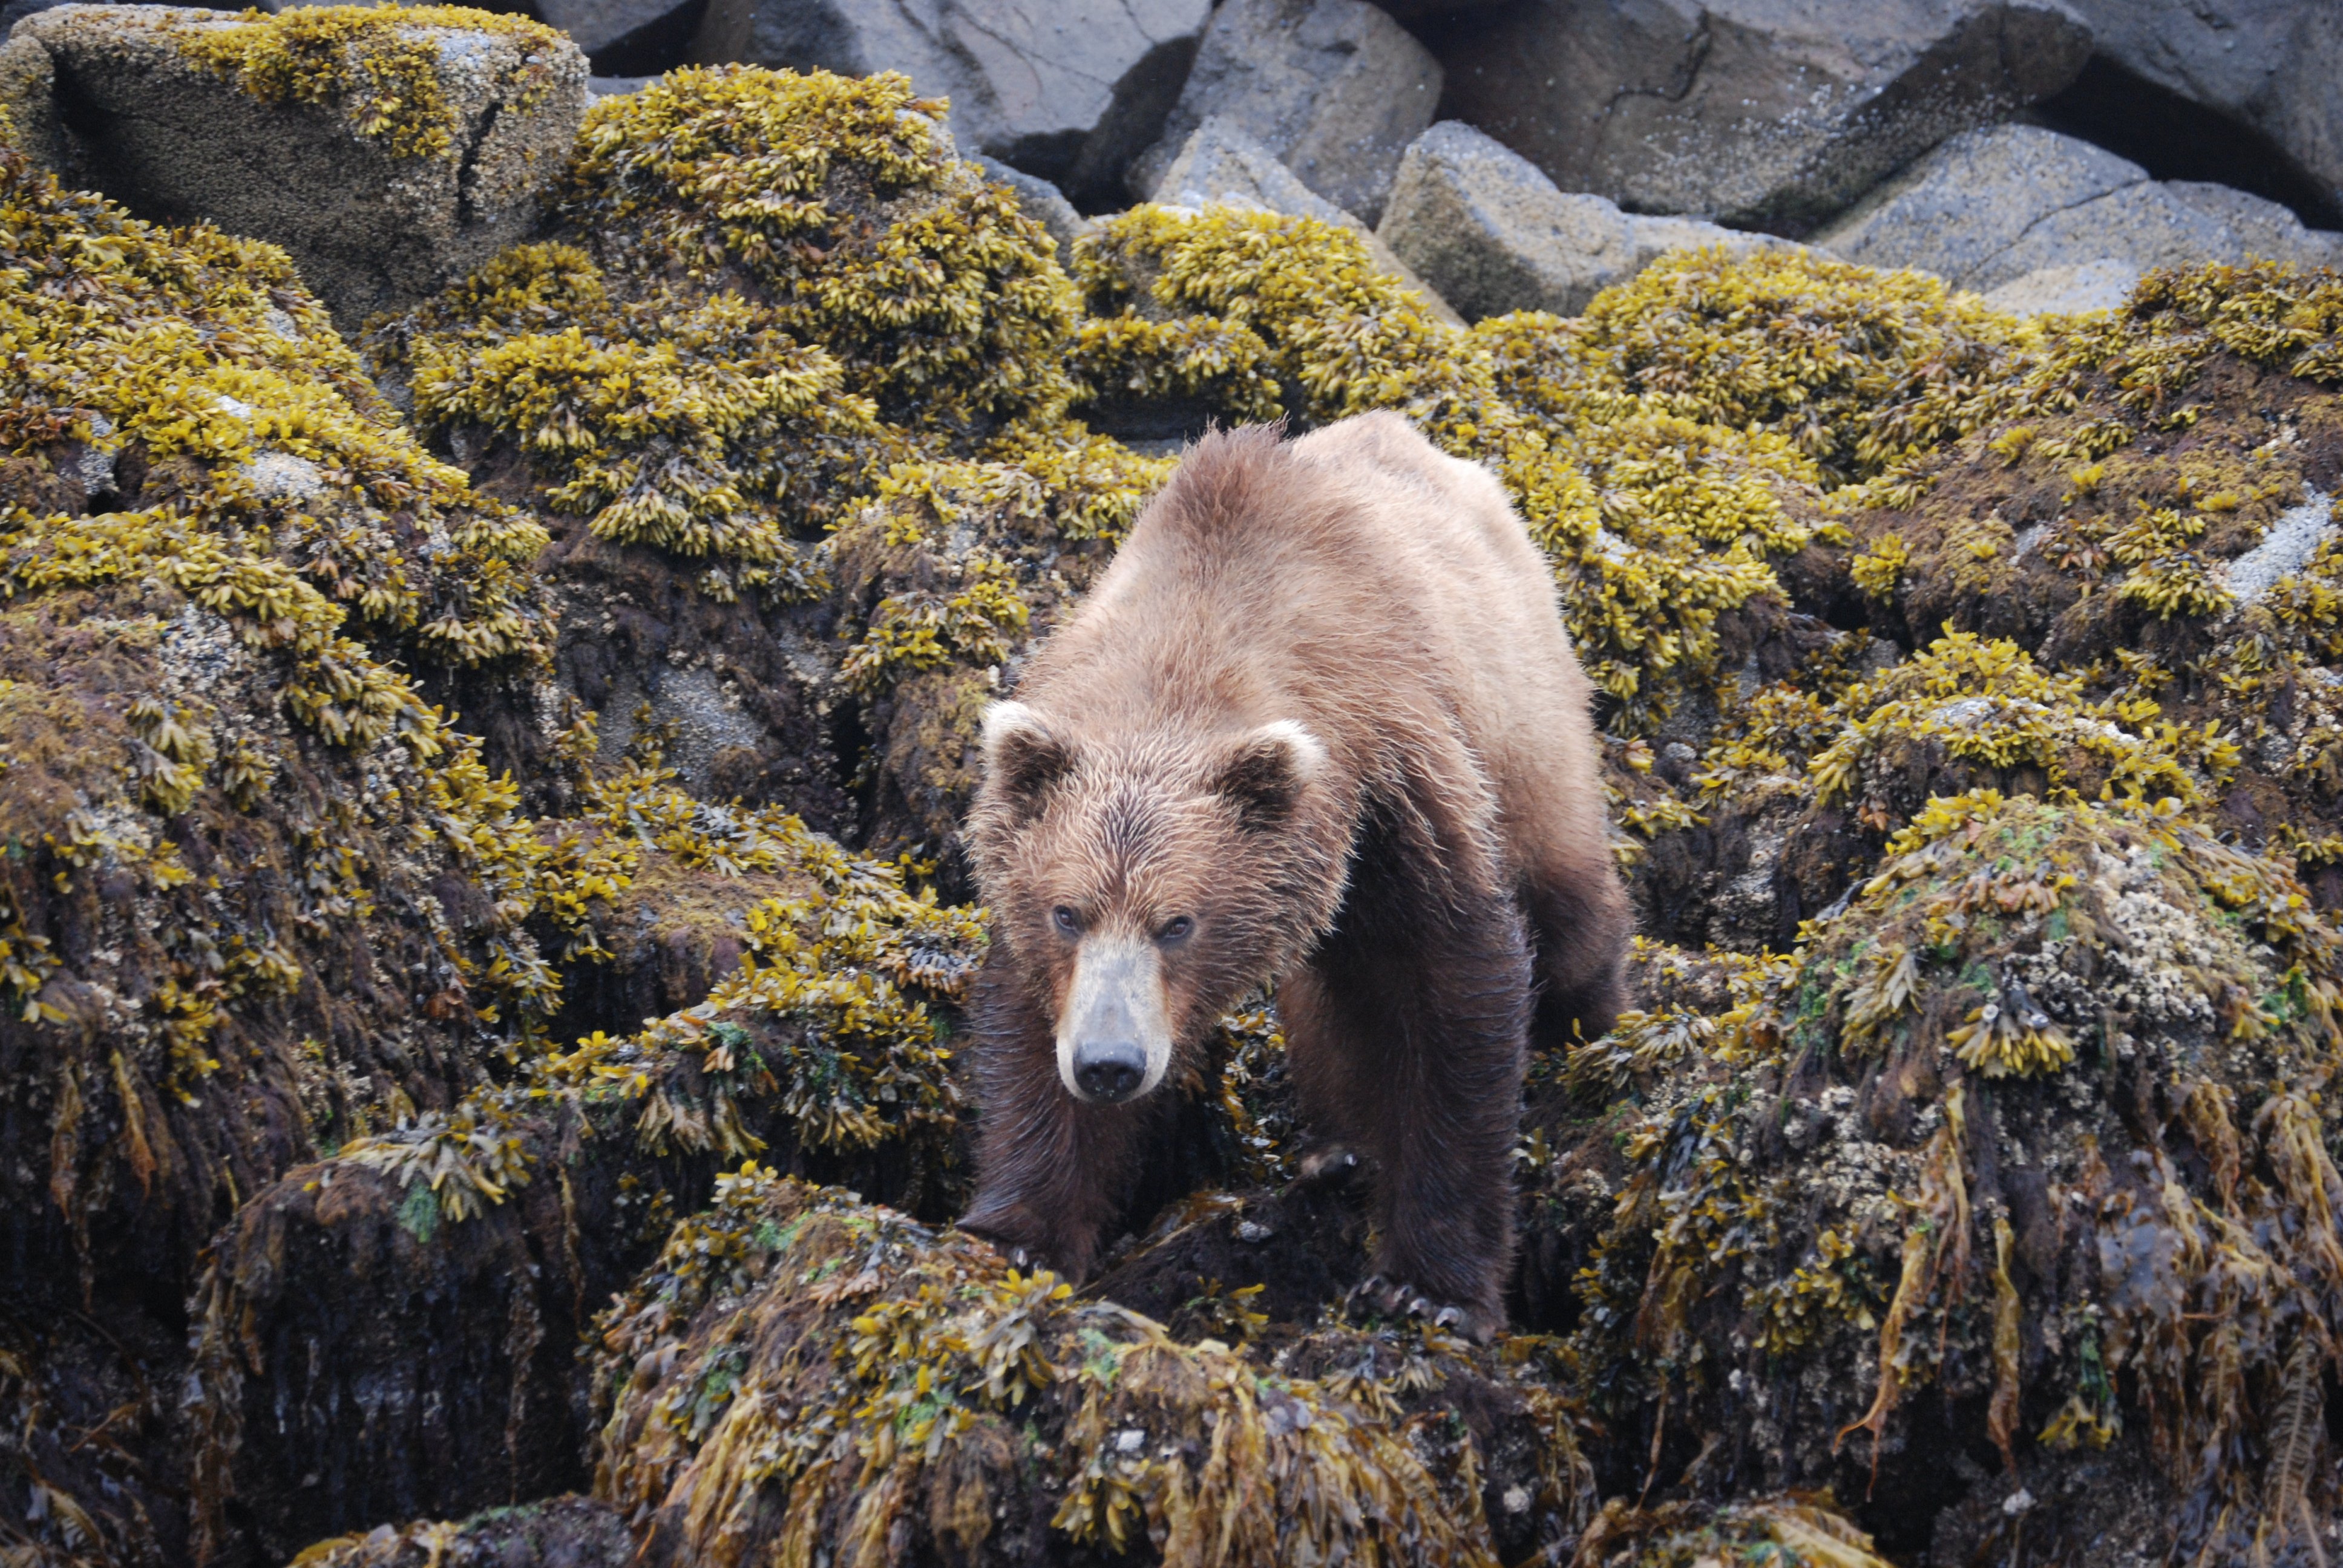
(1426, 892)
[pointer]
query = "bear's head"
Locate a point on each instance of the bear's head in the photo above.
(1144, 882)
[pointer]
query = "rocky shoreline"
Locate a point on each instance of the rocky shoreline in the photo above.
(498, 582)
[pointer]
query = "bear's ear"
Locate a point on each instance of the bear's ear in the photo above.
(1022, 757)
(1265, 772)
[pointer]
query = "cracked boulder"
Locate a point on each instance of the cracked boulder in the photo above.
(1484, 227)
(1767, 114)
(1334, 88)
(1993, 207)
(1068, 91)
(387, 157)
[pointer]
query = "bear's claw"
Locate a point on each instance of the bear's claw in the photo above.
(1400, 1299)
(1330, 1165)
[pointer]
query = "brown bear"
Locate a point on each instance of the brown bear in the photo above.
(1318, 724)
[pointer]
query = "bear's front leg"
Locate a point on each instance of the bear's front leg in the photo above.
(1050, 1171)
(1407, 1035)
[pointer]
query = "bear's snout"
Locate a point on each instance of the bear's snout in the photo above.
(1115, 1040)
(1110, 1070)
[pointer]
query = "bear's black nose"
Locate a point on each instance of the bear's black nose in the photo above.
(1112, 1071)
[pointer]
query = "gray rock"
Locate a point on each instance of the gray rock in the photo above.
(2284, 548)
(2270, 65)
(2100, 284)
(1222, 166)
(1042, 202)
(1334, 88)
(1220, 163)
(609, 27)
(1767, 113)
(1484, 227)
(617, 86)
(2265, 227)
(626, 39)
(1991, 207)
(1069, 90)
(175, 140)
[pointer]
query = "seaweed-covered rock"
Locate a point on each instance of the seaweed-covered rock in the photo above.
(2152, 514)
(761, 293)
(390, 1332)
(2021, 1157)
(259, 893)
(801, 1367)
(89, 1469)
(1223, 165)
(389, 153)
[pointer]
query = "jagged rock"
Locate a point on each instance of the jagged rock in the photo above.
(1334, 88)
(1991, 206)
(1068, 92)
(2100, 284)
(622, 35)
(186, 114)
(2269, 64)
(1039, 200)
(1762, 112)
(1223, 165)
(1486, 227)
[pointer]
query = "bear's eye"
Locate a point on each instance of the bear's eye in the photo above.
(1177, 927)
(1067, 920)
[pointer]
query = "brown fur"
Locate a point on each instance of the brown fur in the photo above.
(1441, 885)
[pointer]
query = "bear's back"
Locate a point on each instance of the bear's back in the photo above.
(1358, 578)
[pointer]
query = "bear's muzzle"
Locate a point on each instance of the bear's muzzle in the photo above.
(1114, 1041)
